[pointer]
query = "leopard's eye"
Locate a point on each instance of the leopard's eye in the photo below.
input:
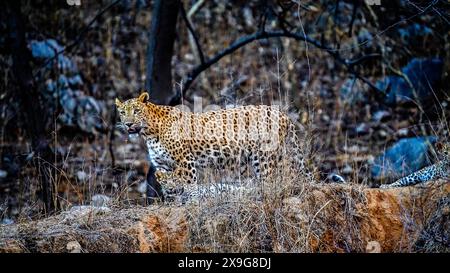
(137, 111)
(122, 112)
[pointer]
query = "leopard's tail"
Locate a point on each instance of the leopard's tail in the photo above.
(421, 176)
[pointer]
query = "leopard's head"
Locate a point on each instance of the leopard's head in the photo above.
(444, 150)
(133, 113)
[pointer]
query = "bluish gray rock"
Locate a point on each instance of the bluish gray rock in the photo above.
(352, 92)
(80, 110)
(404, 157)
(424, 74)
(48, 49)
(45, 49)
(410, 33)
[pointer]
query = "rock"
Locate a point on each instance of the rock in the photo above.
(73, 247)
(6, 221)
(48, 49)
(82, 176)
(325, 118)
(142, 187)
(410, 33)
(100, 200)
(403, 132)
(381, 115)
(248, 16)
(45, 49)
(336, 178)
(424, 75)
(362, 129)
(404, 157)
(352, 92)
(79, 109)
(382, 133)
(347, 170)
(3, 174)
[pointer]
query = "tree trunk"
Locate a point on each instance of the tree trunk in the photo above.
(159, 69)
(160, 50)
(154, 190)
(33, 115)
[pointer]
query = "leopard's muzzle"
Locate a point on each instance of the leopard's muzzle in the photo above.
(133, 128)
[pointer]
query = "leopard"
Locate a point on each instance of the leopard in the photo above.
(180, 142)
(440, 169)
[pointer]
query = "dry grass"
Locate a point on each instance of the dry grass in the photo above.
(290, 211)
(258, 219)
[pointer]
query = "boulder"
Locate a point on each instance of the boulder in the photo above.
(423, 74)
(402, 158)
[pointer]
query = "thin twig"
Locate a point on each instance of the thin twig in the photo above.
(195, 8)
(355, 9)
(192, 33)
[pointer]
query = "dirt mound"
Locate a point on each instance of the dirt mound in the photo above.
(349, 219)
(90, 229)
(324, 218)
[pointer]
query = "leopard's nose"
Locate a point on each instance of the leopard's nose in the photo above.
(129, 124)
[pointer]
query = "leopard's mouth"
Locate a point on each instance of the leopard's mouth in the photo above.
(134, 130)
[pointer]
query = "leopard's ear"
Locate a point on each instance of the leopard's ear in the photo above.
(118, 103)
(439, 145)
(143, 97)
(445, 149)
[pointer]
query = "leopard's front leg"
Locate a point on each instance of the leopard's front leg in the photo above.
(184, 173)
(162, 176)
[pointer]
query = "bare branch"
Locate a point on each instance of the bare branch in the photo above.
(349, 64)
(192, 32)
(354, 11)
(195, 8)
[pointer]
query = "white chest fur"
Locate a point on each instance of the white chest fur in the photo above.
(158, 155)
